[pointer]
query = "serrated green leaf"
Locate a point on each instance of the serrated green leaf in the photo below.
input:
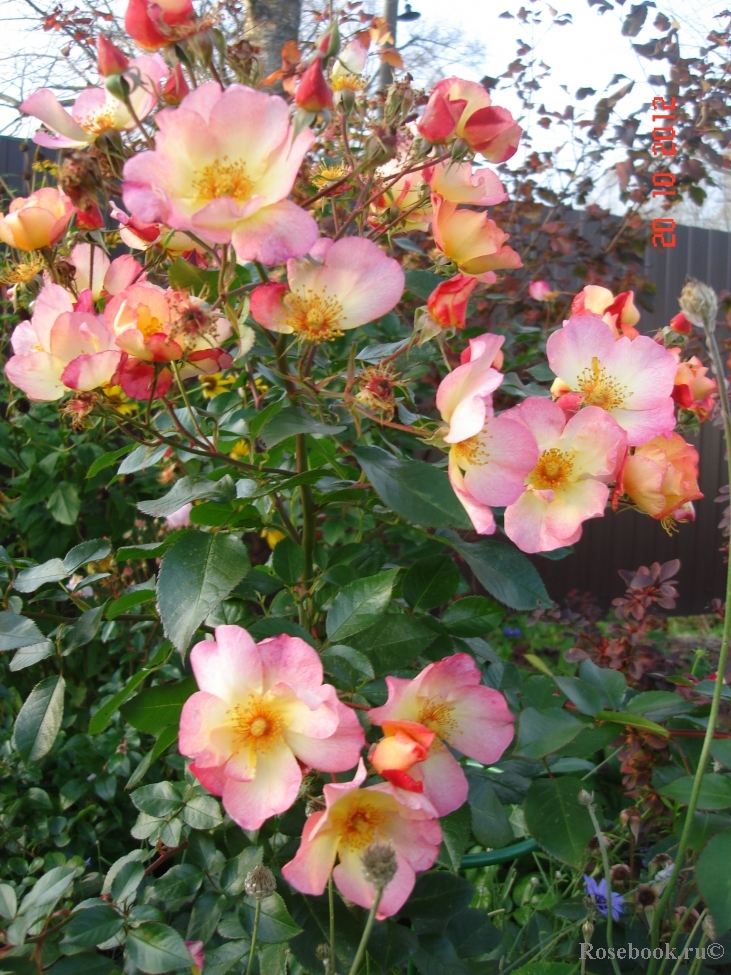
(157, 948)
(32, 578)
(472, 616)
(430, 582)
(17, 631)
(557, 820)
(91, 551)
(288, 561)
(713, 881)
(543, 732)
(155, 708)
(184, 491)
(64, 503)
(419, 492)
(93, 926)
(359, 604)
(197, 572)
(291, 420)
(106, 460)
(504, 571)
(715, 791)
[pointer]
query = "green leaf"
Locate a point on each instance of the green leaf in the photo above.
(347, 664)
(712, 877)
(127, 601)
(28, 580)
(150, 550)
(422, 283)
(161, 799)
(182, 274)
(126, 881)
(106, 460)
(472, 616)
(83, 630)
(64, 503)
(17, 631)
(438, 896)
(489, 820)
(557, 820)
(164, 740)
(27, 656)
(288, 561)
(184, 491)
(222, 959)
(93, 926)
(436, 955)
(359, 604)
(543, 732)
(39, 719)
(290, 421)
(504, 571)
(587, 698)
(390, 945)
(101, 718)
(8, 901)
(141, 458)
(180, 883)
(91, 551)
(721, 751)
(153, 709)
(715, 792)
(658, 705)
(393, 641)
(48, 889)
(258, 421)
(430, 582)
(418, 492)
(197, 572)
(632, 721)
(90, 963)
(157, 948)
(202, 812)
(610, 682)
(473, 933)
(545, 968)
(267, 626)
(275, 922)
(455, 836)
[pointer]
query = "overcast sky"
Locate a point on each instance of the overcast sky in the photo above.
(584, 54)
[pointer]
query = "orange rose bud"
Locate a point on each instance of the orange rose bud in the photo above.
(109, 59)
(313, 93)
(662, 476)
(679, 323)
(447, 303)
(36, 221)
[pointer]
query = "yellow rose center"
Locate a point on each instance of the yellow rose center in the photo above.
(100, 121)
(598, 389)
(314, 317)
(359, 828)
(257, 724)
(147, 323)
(223, 178)
(471, 452)
(554, 468)
(437, 717)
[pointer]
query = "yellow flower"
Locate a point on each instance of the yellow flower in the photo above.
(119, 400)
(329, 173)
(348, 82)
(239, 451)
(215, 384)
(272, 535)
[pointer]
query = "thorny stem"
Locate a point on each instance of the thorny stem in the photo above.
(607, 879)
(366, 933)
(717, 366)
(254, 933)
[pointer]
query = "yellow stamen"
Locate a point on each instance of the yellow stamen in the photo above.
(147, 323)
(314, 317)
(471, 452)
(257, 724)
(437, 717)
(554, 468)
(598, 389)
(224, 178)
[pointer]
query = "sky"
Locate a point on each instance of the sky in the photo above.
(587, 53)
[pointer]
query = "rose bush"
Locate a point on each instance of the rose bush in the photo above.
(285, 432)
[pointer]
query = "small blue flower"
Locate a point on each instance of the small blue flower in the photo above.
(512, 631)
(598, 893)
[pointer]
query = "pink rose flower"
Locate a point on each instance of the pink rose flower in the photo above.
(223, 165)
(157, 23)
(568, 484)
(339, 286)
(261, 711)
(60, 348)
(461, 183)
(446, 704)
(661, 476)
(96, 110)
(540, 291)
(693, 389)
(631, 379)
(448, 302)
(353, 819)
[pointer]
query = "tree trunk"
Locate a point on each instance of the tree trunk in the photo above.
(270, 24)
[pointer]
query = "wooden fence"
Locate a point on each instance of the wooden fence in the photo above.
(628, 540)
